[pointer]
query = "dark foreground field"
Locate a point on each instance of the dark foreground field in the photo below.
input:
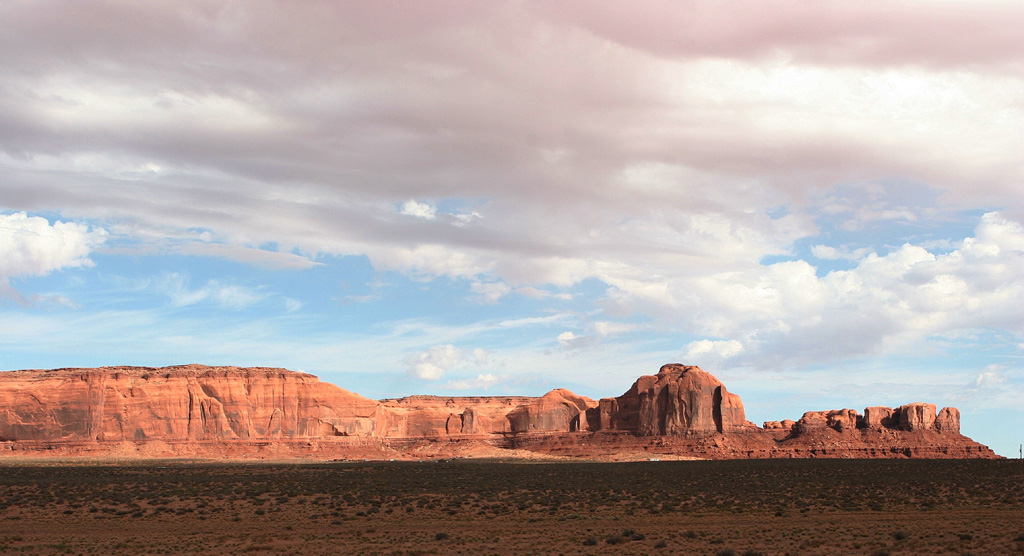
(697, 507)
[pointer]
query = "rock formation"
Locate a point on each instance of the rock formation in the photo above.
(201, 411)
(439, 416)
(679, 400)
(557, 411)
(191, 402)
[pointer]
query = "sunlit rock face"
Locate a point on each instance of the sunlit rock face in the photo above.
(557, 411)
(948, 420)
(678, 401)
(190, 402)
(234, 412)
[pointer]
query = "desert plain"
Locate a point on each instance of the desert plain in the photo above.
(467, 506)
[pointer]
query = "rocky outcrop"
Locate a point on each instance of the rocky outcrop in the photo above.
(948, 420)
(680, 400)
(194, 410)
(439, 416)
(838, 419)
(190, 402)
(557, 411)
(916, 416)
(879, 417)
(910, 417)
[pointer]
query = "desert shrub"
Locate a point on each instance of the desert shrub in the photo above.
(966, 536)
(899, 535)
(441, 536)
(590, 541)
(726, 552)
(880, 553)
(614, 539)
(661, 544)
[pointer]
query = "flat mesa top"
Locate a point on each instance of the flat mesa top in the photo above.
(175, 370)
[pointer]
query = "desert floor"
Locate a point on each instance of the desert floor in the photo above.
(870, 507)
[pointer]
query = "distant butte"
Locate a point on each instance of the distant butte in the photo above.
(195, 411)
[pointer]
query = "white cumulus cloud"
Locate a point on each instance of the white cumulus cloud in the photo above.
(31, 246)
(827, 252)
(434, 362)
(419, 210)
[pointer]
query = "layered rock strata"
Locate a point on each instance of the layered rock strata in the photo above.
(200, 411)
(679, 400)
(194, 402)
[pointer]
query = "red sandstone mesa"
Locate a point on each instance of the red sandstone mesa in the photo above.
(201, 411)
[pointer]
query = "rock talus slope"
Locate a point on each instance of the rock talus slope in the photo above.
(194, 410)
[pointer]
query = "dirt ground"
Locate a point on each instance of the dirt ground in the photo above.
(720, 508)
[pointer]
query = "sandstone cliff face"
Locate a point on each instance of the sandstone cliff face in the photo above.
(910, 417)
(838, 419)
(177, 403)
(878, 417)
(679, 400)
(195, 410)
(439, 416)
(948, 420)
(557, 411)
(916, 416)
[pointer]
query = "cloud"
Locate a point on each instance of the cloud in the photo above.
(568, 340)
(434, 362)
(608, 328)
(830, 253)
(360, 298)
(481, 382)
(292, 305)
(601, 153)
(257, 257)
(463, 218)
(31, 246)
(489, 292)
(175, 287)
(718, 350)
(655, 144)
(991, 377)
(419, 210)
(883, 304)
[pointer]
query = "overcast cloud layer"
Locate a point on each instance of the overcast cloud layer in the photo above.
(482, 196)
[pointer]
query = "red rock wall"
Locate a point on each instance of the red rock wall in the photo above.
(679, 400)
(439, 416)
(230, 412)
(910, 417)
(557, 411)
(179, 403)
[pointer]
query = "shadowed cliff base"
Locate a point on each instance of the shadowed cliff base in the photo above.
(201, 412)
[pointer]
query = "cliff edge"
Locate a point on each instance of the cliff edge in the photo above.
(225, 412)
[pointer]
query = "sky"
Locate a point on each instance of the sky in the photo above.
(821, 203)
